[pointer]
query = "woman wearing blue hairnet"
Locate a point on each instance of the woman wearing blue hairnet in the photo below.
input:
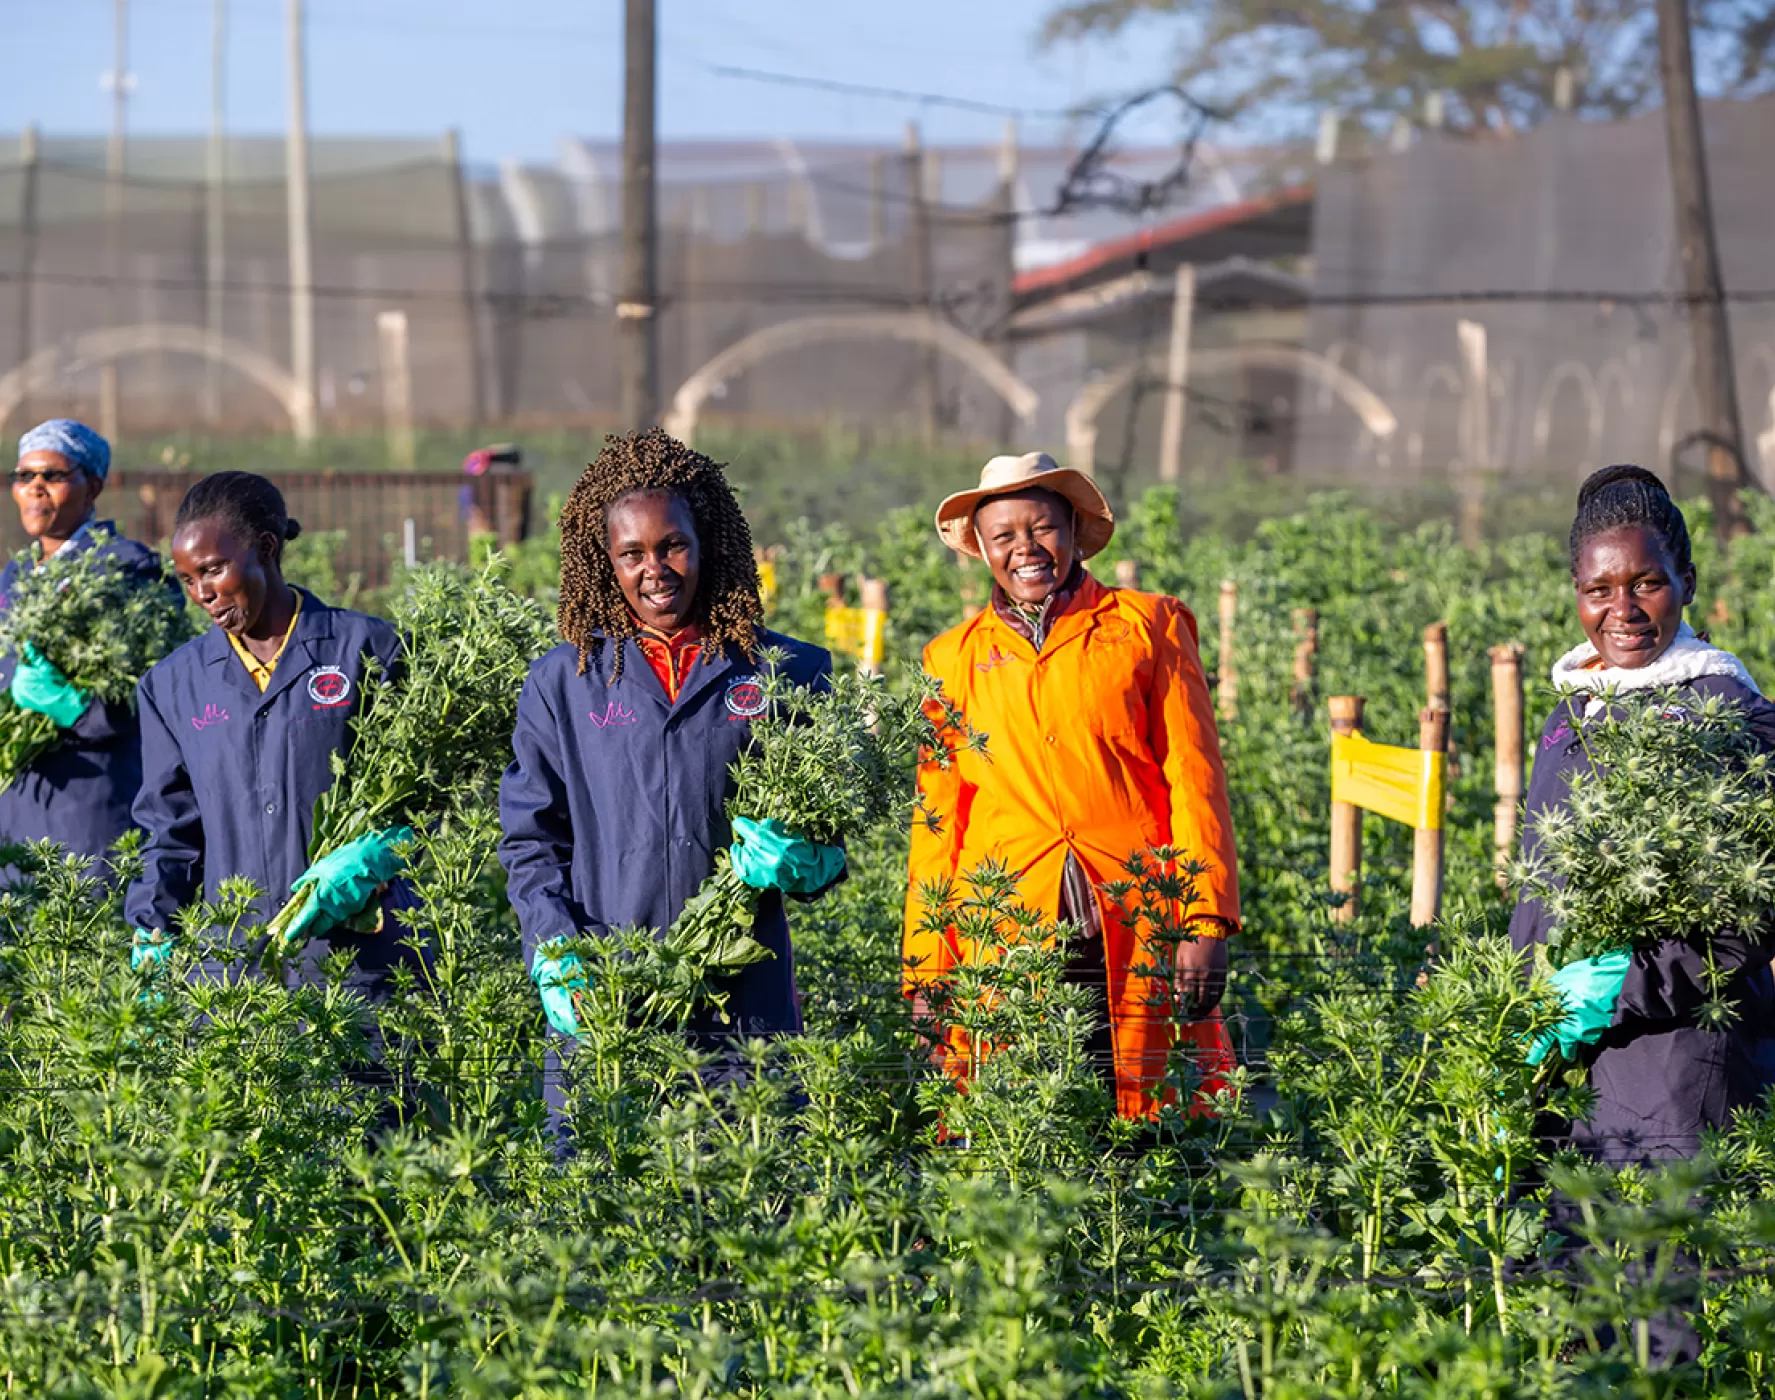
(78, 793)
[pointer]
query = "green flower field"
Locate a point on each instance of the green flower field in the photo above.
(214, 1189)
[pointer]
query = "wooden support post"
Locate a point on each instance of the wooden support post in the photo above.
(1306, 659)
(1426, 845)
(1128, 574)
(1506, 707)
(1436, 666)
(397, 387)
(1346, 819)
(1183, 315)
(1228, 690)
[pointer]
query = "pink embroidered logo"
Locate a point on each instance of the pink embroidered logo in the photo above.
(614, 714)
(212, 714)
(1552, 739)
(995, 658)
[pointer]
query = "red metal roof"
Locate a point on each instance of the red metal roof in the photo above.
(1130, 249)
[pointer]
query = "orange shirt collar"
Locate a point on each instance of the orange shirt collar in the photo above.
(670, 657)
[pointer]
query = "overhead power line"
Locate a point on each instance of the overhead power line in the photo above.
(923, 99)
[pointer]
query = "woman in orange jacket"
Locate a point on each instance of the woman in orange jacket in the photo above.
(1101, 744)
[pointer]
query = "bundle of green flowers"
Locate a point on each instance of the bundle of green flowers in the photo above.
(1668, 833)
(432, 739)
(99, 623)
(823, 766)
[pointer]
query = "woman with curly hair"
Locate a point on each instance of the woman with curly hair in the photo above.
(614, 805)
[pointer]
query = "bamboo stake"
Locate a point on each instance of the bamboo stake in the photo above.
(1346, 818)
(1306, 657)
(1128, 574)
(1506, 704)
(1436, 666)
(1427, 842)
(1228, 696)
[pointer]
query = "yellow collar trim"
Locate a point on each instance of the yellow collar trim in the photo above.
(259, 670)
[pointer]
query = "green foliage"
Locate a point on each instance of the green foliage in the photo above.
(433, 738)
(97, 622)
(236, 1188)
(1668, 832)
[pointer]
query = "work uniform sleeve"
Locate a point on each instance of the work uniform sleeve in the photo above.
(937, 830)
(1186, 745)
(166, 810)
(536, 847)
(1667, 982)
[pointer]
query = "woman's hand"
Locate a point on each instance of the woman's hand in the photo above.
(1201, 969)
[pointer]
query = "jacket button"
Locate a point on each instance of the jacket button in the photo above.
(270, 808)
(1051, 739)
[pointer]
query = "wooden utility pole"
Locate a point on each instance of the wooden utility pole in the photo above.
(300, 229)
(110, 393)
(1716, 388)
(638, 312)
(923, 281)
(1183, 317)
(214, 255)
(30, 155)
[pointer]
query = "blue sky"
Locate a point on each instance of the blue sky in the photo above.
(515, 75)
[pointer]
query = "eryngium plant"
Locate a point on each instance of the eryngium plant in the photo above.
(99, 621)
(1669, 833)
(435, 736)
(828, 764)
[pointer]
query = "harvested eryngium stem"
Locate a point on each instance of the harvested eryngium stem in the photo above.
(1668, 832)
(99, 621)
(827, 764)
(435, 737)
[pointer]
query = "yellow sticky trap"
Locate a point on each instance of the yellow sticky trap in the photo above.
(858, 632)
(767, 582)
(844, 630)
(1403, 785)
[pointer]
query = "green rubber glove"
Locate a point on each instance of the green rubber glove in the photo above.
(767, 857)
(1589, 988)
(559, 976)
(39, 685)
(150, 950)
(346, 881)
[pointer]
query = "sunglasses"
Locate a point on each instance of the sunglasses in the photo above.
(49, 476)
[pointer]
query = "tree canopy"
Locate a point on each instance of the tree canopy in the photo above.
(1273, 65)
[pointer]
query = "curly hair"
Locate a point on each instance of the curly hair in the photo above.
(593, 609)
(1617, 497)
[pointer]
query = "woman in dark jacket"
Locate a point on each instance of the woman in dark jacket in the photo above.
(614, 805)
(79, 793)
(1660, 1079)
(239, 731)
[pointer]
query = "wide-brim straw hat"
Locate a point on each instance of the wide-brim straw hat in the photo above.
(1004, 476)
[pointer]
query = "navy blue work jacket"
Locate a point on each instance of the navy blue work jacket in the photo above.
(230, 776)
(79, 793)
(1661, 1079)
(615, 803)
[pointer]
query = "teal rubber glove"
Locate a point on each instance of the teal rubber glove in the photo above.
(150, 950)
(559, 976)
(1589, 988)
(766, 857)
(345, 882)
(39, 685)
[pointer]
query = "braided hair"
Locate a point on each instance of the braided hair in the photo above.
(246, 503)
(1621, 497)
(593, 609)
